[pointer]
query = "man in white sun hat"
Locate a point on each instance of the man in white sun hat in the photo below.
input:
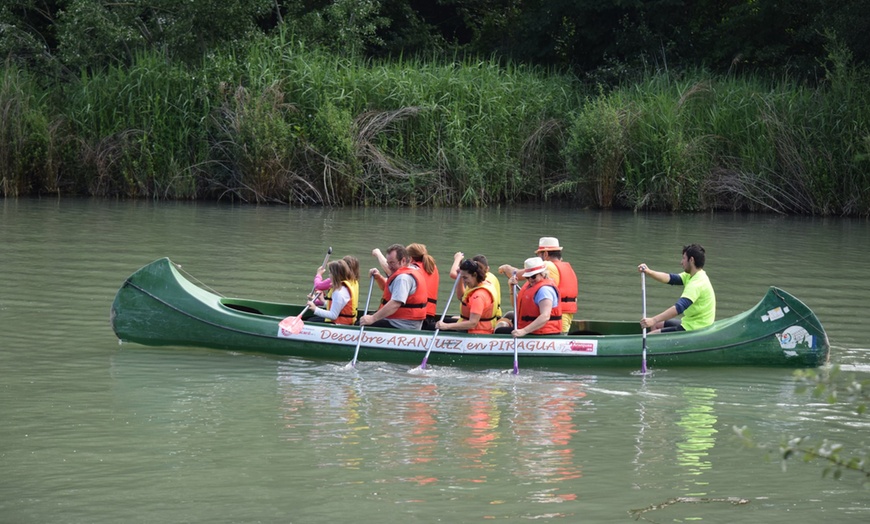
(560, 272)
(538, 310)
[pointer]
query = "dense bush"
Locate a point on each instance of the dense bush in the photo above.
(281, 122)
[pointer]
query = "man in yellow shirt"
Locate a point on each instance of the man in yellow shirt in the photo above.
(697, 304)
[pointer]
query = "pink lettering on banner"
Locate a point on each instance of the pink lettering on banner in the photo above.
(544, 344)
(582, 347)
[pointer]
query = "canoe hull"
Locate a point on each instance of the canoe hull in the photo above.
(157, 306)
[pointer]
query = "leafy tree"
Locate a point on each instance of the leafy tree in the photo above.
(583, 35)
(413, 29)
(27, 34)
(344, 26)
(94, 33)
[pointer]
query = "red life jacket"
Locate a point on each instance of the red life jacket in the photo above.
(415, 307)
(486, 317)
(567, 286)
(529, 311)
(432, 281)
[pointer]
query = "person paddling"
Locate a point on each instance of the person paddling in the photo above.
(559, 272)
(538, 311)
(344, 296)
(458, 257)
(477, 298)
(422, 259)
(325, 284)
(403, 305)
(697, 304)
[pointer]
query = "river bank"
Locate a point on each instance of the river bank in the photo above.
(286, 124)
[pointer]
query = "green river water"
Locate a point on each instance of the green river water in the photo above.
(94, 431)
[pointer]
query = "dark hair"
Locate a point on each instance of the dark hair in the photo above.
(401, 252)
(481, 259)
(473, 268)
(697, 252)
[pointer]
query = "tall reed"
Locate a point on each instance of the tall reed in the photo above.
(29, 136)
(415, 132)
(281, 122)
(699, 142)
(140, 129)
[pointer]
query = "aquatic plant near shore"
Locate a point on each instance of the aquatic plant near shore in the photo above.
(283, 123)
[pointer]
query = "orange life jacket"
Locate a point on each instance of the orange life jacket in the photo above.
(529, 311)
(486, 317)
(432, 281)
(347, 315)
(415, 307)
(567, 286)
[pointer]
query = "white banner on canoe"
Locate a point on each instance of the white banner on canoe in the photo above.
(444, 343)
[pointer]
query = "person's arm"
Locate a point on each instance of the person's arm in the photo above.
(389, 308)
(462, 325)
(379, 279)
(454, 274)
(664, 278)
(401, 288)
(651, 322)
(677, 309)
(509, 271)
(321, 284)
(339, 300)
(545, 306)
(476, 305)
(382, 260)
(454, 269)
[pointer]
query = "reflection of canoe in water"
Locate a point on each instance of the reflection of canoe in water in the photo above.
(158, 306)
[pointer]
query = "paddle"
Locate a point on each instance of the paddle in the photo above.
(432, 342)
(294, 324)
(643, 292)
(325, 260)
(352, 363)
(516, 317)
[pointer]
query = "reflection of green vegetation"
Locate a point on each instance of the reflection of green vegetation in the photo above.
(697, 420)
(835, 388)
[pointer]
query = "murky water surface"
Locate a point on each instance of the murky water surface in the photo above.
(93, 431)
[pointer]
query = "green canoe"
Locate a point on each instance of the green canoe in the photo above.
(158, 306)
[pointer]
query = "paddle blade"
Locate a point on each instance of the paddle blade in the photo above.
(292, 324)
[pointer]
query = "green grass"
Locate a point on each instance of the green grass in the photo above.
(283, 123)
